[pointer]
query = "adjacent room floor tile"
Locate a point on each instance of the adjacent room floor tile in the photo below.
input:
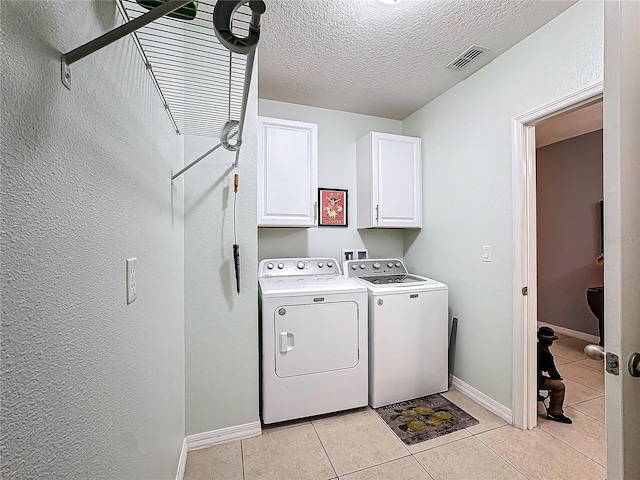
(592, 364)
(576, 392)
(438, 441)
(466, 459)
(540, 456)
(594, 408)
(358, 440)
(586, 435)
(487, 419)
(406, 468)
(583, 375)
(286, 454)
(571, 348)
(221, 462)
(560, 360)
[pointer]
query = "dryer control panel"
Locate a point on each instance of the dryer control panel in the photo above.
(275, 267)
(374, 266)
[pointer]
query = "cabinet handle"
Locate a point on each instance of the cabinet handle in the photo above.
(377, 214)
(315, 212)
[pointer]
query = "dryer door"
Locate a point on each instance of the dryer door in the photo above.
(315, 338)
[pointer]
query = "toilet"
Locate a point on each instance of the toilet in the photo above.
(595, 299)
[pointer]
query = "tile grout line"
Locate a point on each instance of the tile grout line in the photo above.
(591, 417)
(377, 465)
(500, 456)
(324, 449)
(573, 448)
(422, 466)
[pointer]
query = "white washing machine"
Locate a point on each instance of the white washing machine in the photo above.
(408, 331)
(314, 351)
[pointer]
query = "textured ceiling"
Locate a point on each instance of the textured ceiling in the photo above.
(366, 57)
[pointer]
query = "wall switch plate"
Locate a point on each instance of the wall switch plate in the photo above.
(132, 294)
(486, 253)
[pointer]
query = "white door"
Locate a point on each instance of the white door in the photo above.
(316, 338)
(622, 233)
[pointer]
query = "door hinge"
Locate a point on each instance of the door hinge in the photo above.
(525, 291)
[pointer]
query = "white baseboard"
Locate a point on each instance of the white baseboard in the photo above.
(223, 435)
(571, 333)
(182, 463)
(487, 402)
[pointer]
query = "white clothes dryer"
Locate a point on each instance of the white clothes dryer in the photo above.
(313, 330)
(408, 331)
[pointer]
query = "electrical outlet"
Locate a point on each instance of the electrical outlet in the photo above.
(132, 293)
(348, 254)
(362, 254)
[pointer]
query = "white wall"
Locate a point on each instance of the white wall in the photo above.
(91, 387)
(221, 326)
(467, 167)
(338, 133)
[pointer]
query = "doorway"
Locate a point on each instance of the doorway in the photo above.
(570, 268)
(525, 292)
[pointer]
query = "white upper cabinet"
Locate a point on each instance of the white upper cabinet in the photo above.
(287, 173)
(389, 181)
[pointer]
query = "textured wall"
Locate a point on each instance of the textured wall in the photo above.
(221, 327)
(569, 187)
(467, 167)
(91, 387)
(338, 133)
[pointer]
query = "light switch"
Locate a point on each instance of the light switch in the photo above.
(486, 253)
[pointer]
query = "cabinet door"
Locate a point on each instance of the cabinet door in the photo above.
(287, 173)
(397, 180)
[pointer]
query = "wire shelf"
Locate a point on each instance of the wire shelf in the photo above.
(199, 80)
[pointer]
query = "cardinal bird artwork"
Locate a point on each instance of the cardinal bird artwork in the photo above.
(332, 206)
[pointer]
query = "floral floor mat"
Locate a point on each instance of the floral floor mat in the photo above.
(424, 418)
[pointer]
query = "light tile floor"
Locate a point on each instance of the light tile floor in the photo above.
(358, 445)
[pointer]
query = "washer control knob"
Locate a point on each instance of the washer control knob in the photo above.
(281, 266)
(398, 264)
(270, 266)
(320, 264)
(376, 265)
(390, 264)
(362, 266)
(330, 264)
(300, 265)
(354, 267)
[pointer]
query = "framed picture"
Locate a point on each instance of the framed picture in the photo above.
(332, 207)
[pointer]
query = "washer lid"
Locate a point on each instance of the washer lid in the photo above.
(395, 279)
(414, 283)
(308, 285)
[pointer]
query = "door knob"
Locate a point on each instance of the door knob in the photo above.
(634, 364)
(594, 352)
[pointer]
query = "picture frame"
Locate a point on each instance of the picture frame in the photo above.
(333, 207)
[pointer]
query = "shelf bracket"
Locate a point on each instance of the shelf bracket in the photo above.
(116, 34)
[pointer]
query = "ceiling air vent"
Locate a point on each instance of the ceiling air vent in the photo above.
(469, 55)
